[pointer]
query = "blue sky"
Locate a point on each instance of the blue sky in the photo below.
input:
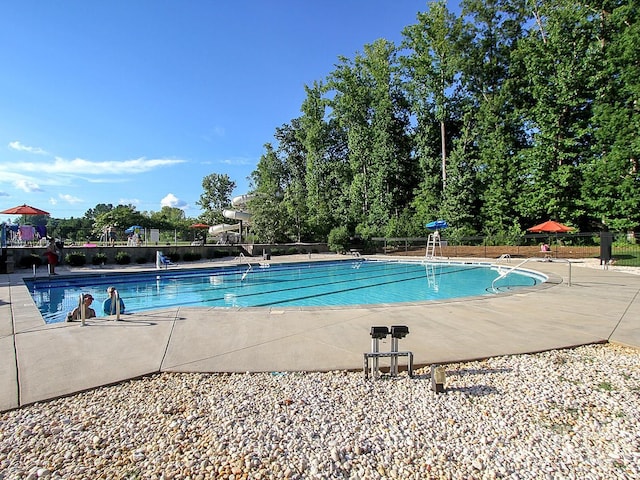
(136, 101)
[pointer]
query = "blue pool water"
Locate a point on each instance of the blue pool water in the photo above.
(312, 284)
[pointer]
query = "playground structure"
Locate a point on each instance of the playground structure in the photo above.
(231, 233)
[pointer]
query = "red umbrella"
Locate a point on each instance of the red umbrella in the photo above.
(24, 210)
(199, 225)
(550, 227)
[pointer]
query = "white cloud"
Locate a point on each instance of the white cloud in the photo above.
(24, 148)
(70, 198)
(170, 200)
(237, 161)
(81, 167)
(27, 186)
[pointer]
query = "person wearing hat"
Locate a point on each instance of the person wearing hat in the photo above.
(109, 305)
(88, 311)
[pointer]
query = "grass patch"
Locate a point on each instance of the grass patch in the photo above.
(606, 386)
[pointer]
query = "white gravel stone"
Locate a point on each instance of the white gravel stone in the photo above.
(560, 414)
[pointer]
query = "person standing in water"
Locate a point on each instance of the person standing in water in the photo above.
(109, 305)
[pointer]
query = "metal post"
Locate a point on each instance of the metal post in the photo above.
(394, 358)
(374, 361)
(117, 300)
(83, 314)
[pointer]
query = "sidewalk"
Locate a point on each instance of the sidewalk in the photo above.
(41, 361)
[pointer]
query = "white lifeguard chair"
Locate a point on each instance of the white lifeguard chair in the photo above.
(434, 246)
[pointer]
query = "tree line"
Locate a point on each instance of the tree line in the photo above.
(509, 114)
(505, 115)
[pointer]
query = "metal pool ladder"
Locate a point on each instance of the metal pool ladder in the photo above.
(242, 257)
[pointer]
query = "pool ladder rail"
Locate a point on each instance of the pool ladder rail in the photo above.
(504, 271)
(246, 260)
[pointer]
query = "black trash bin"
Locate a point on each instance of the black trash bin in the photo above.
(606, 240)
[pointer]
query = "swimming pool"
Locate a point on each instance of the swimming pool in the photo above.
(307, 284)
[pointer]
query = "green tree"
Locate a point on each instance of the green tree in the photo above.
(558, 59)
(216, 196)
(433, 68)
(122, 217)
(171, 219)
(269, 222)
(611, 188)
(370, 106)
(327, 174)
(492, 88)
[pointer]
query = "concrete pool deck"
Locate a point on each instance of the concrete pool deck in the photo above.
(40, 362)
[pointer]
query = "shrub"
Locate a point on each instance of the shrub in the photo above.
(191, 256)
(174, 257)
(338, 239)
(75, 259)
(292, 251)
(123, 258)
(99, 259)
(31, 260)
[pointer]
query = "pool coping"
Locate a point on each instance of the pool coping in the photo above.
(43, 361)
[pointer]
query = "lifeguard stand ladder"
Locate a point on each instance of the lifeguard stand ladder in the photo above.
(434, 247)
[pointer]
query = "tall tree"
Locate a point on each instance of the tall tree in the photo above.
(216, 196)
(611, 190)
(434, 68)
(493, 87)
(371, 108)
(269, 222)
(558, 58)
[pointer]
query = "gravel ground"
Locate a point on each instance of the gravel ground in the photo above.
(567, 414)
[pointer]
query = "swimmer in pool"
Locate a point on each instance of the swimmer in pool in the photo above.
(109, 305)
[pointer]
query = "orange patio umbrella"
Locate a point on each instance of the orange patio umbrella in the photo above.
(201, 226)
(24, 210)
(550, 226)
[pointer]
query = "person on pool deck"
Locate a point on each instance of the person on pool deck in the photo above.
(88, 311)
(109, 305)
(52, 256)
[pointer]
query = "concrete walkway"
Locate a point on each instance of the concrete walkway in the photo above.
(40, 362)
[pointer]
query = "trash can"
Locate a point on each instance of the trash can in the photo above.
(606, 240)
